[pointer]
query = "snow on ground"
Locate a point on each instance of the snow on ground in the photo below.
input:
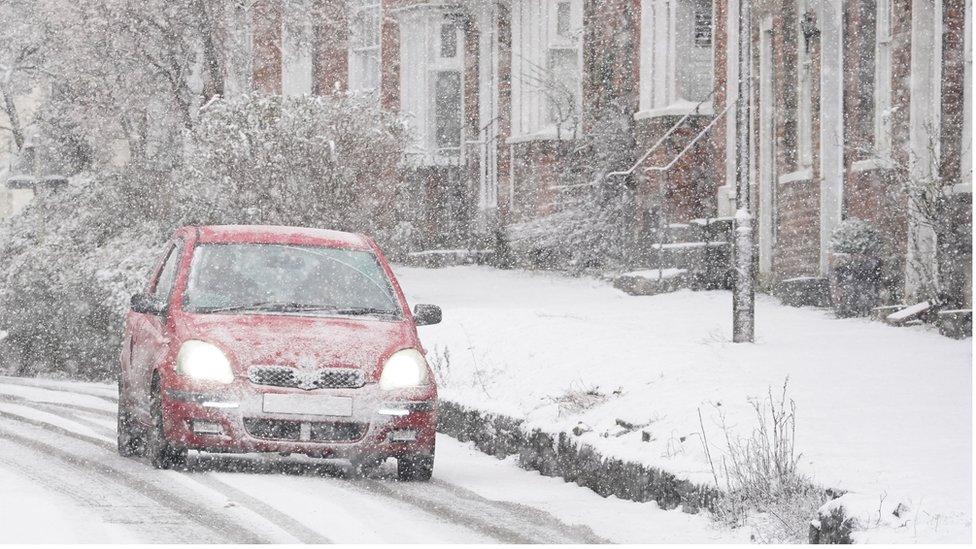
(472, 497)
(884, 412)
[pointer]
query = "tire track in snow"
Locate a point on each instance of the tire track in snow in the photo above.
(301, 532)
(522, 524)
(53, 385)
(114, 503)
(225, 528)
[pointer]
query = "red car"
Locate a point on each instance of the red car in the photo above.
(276, 339)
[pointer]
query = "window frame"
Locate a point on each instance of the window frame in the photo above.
(535, 35)
(173, 251)
(659, 86)
(359, 54)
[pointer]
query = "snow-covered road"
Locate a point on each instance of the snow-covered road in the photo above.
(62, 481)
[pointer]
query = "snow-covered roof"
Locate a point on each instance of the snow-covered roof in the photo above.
(277, 234)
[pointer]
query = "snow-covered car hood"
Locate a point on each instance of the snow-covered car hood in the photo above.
(302, 341)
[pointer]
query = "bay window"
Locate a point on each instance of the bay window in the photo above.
(431, 84)
(364, 46)
(676, 56)
(546, 68)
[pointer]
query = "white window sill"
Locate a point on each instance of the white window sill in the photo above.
(799, 176)
(874, 163)
(962, 188)
(544, 135)
(676, 109)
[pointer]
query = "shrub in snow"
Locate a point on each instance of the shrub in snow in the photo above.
(311, 161)
(72, 258)
(857, 237)
(763, 487)
(855, 267)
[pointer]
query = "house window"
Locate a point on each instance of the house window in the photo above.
(676, 54)
(882, 80)
(296, 48)
(448, 41)
(564, 21)
(431, 85)
(546, 73)
(364, 46)
(447, 110)
(804, 115)
(703, 24)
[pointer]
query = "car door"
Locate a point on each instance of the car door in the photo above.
(149, 340)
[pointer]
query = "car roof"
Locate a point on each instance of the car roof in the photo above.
(278, 234)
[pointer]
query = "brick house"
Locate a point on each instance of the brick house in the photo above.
(498, 93)
(852, 101)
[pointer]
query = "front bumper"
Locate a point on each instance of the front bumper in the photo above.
(232, 419)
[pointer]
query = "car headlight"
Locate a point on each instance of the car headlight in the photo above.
(406, 368)
(203, 361)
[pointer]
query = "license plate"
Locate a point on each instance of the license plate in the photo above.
(310, 405)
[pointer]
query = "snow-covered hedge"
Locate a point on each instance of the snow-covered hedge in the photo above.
(72, 258)
(856, 236)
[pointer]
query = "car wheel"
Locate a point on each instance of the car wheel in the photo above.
(417, 467)
(128, 435)
(162, 453)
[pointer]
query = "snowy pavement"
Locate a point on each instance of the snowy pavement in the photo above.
(61, 481)
(881, 411)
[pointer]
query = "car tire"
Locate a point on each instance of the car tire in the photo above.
(161, 452)
(128, 434)
(415, 468)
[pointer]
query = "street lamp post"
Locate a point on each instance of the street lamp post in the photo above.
(744, 291)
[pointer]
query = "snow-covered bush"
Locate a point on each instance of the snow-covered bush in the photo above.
(311, 161)
(73, 257)
(856, 236)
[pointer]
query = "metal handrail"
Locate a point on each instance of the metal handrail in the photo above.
(666, 135)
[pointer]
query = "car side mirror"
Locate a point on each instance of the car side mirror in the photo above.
(425, 315)
(146, 304)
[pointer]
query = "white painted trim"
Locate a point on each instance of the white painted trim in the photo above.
(831, 122)
(548, 134)
(677, 109)
(872, 163)
(925, 112)
(798, 176)
(488, 112)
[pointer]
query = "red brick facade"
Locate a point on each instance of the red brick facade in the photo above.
(525, 171)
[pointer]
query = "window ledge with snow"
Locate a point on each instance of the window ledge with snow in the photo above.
(549, 134)
(873, 163)
(679, 108)
(799, 176)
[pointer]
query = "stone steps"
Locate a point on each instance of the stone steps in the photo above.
(695, 255)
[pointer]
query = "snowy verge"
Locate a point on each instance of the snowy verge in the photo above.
(880, 410)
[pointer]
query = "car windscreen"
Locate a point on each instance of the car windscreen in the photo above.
(288, 279)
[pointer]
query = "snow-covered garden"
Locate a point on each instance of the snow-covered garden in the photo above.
(882, 413)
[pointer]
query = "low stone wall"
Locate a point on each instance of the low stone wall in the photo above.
(560, 455)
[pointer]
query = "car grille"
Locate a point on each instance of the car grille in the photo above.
(324, 378)
(319, 431)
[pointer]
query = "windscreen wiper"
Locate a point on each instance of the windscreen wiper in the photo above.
(270, 306)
